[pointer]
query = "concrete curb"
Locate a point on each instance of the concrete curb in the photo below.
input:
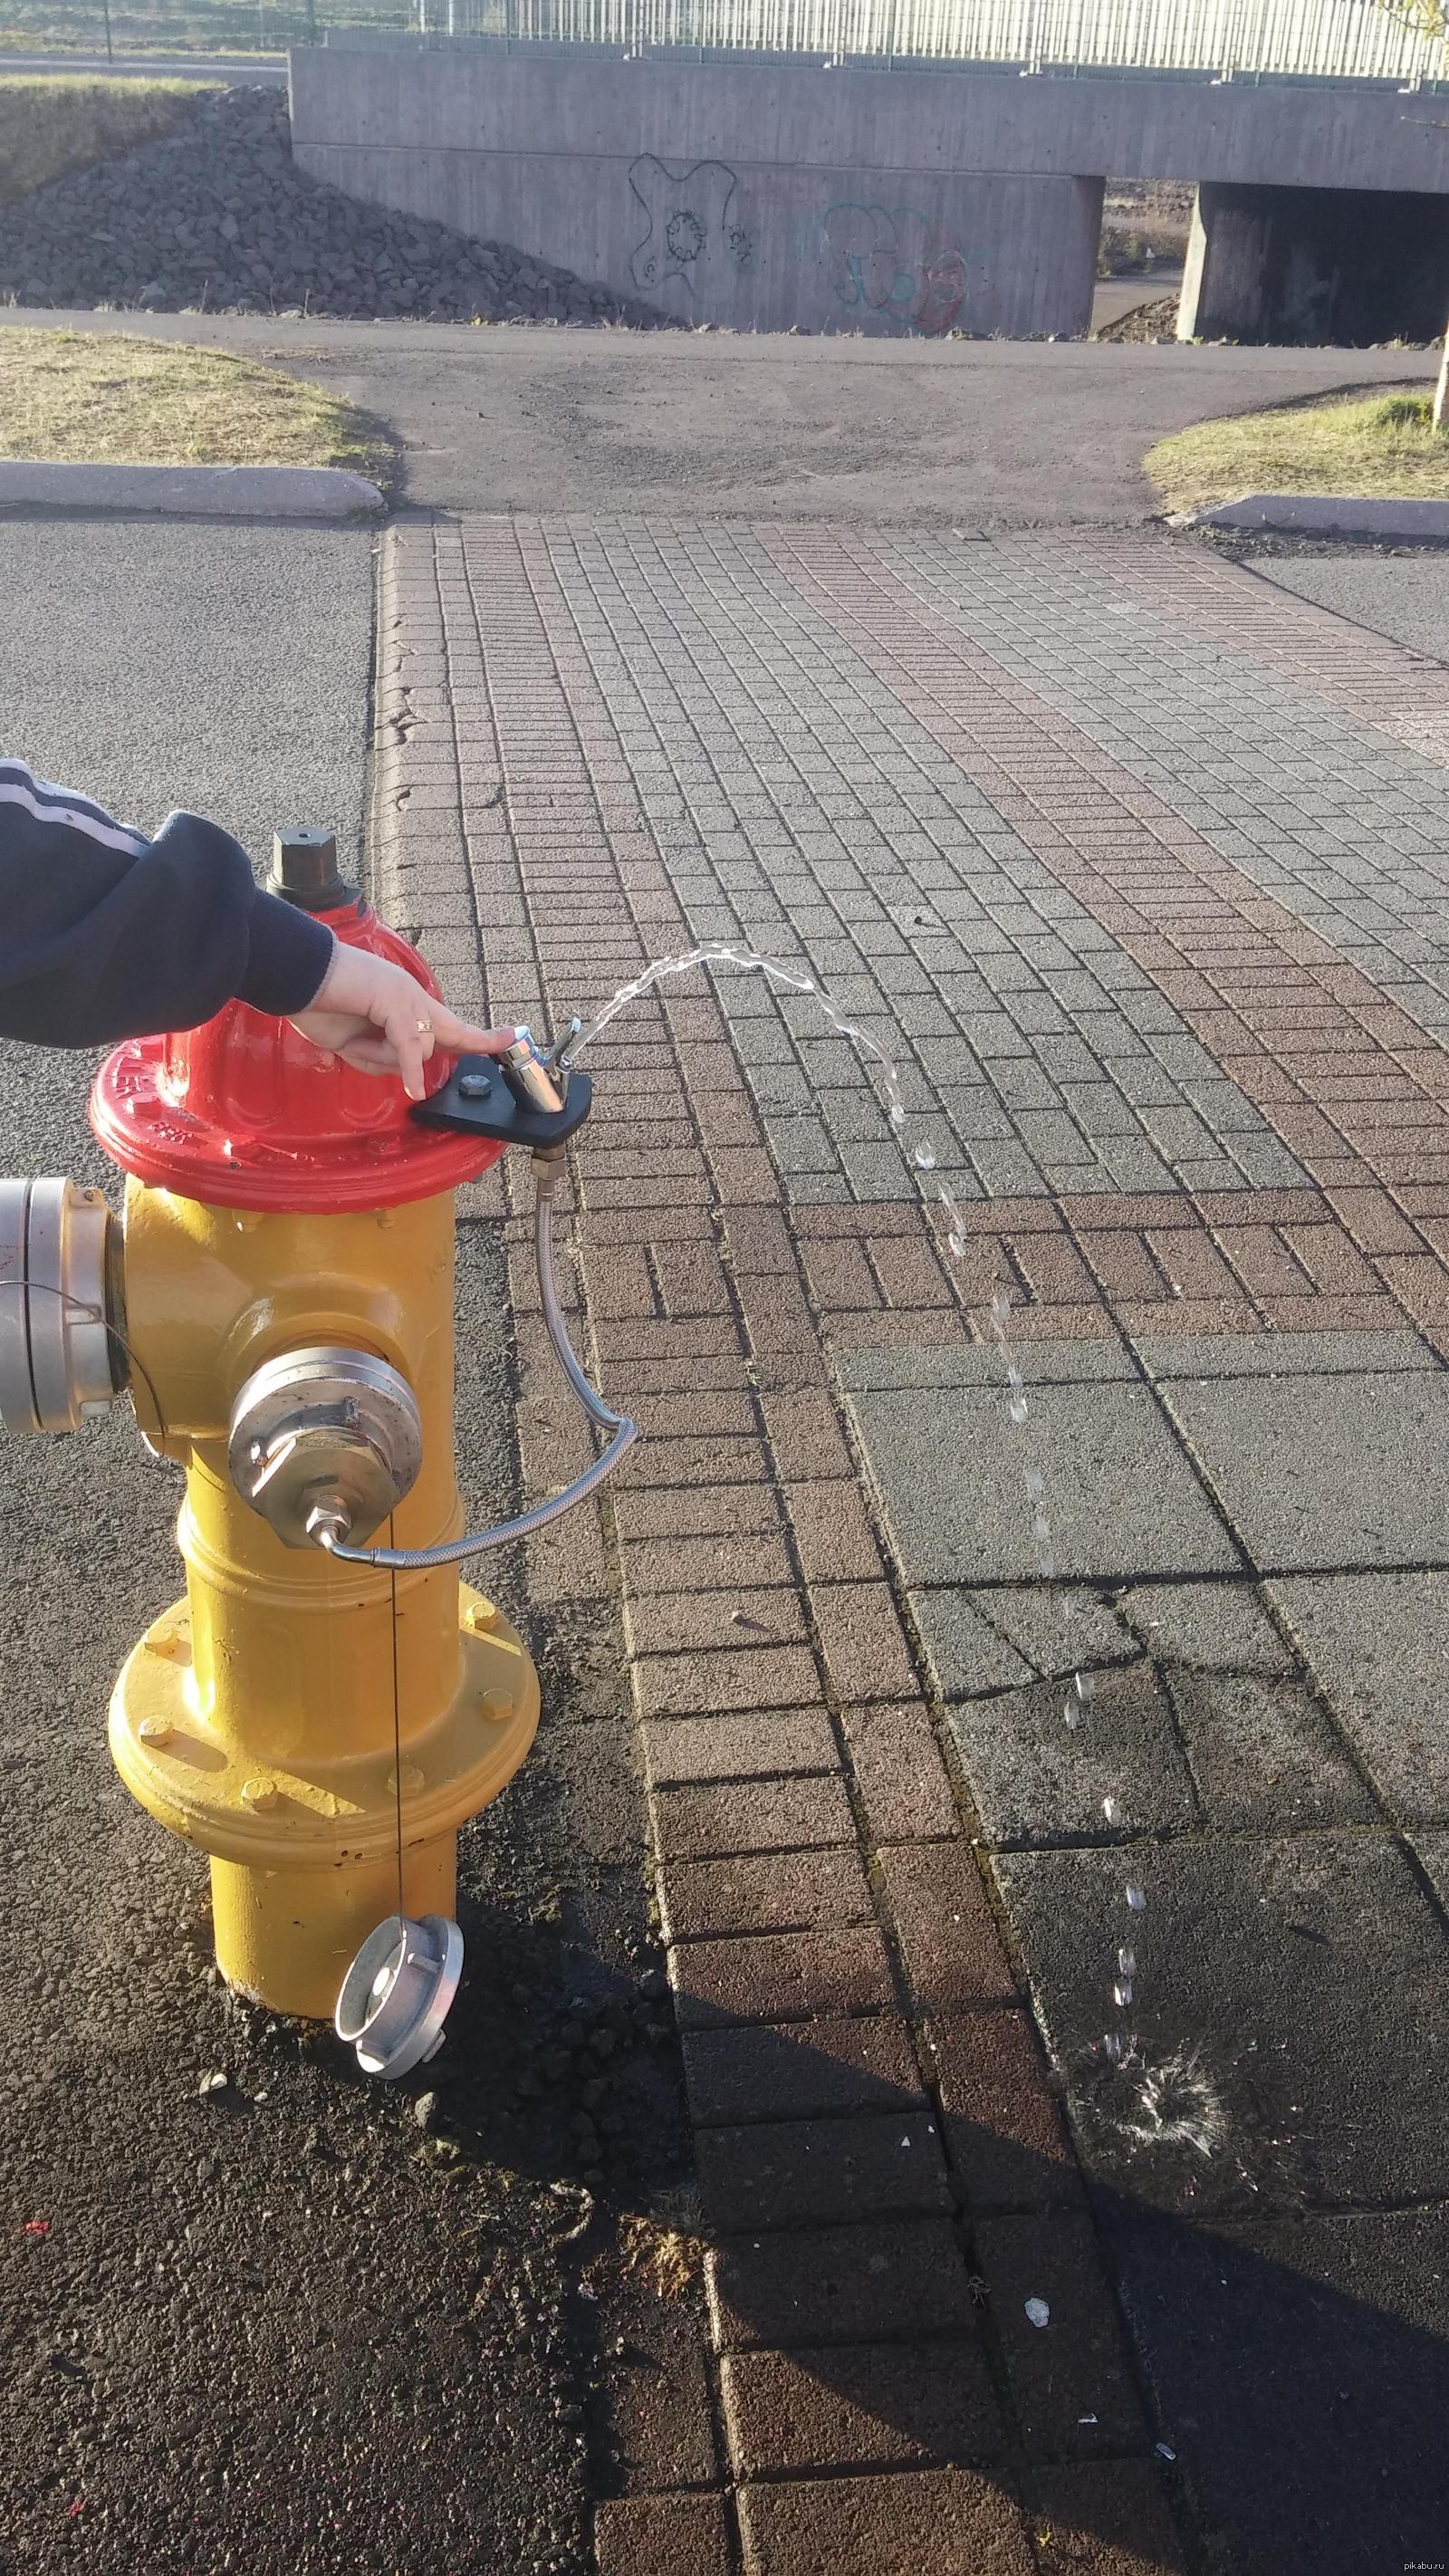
(191, 491)
(1314, 514)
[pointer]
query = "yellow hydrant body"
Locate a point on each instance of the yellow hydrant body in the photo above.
(257, 1718)
(320, 1728)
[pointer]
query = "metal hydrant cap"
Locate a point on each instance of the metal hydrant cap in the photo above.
(246, 1112)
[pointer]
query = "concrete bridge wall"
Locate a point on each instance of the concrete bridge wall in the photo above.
(756, 196)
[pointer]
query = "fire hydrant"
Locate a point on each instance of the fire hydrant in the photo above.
(317, 1715)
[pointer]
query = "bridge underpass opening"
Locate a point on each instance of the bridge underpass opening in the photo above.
(1344, 267)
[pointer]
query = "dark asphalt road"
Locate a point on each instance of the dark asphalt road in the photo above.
(994, 433)
(158, 664)
(278, 2330)
(1405, 596)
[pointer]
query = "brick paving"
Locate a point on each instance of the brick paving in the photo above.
(1119, 853)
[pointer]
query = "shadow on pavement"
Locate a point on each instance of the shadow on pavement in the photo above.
(1303, 2409)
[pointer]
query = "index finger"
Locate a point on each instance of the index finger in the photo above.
(405, 1037)
(460, 1037)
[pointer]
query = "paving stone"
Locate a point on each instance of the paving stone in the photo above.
(705, 1510)
(708, 1684)
(862, 1643)
(1213, 1627)
(1123, 1499)
(964, 1652)
(1378, 1647)
(776, 1978)
(709, 1822)
(1070, 2380)
(832, 1533)
(674, 1622)
(1303, 1980)
(851, 2406)
(950, 1946)
(1299, 2370)
(667, 2535)
(899, 1774)
(1284, 1355)
(1036, 1780)
(800, 2070)
(1060, 1628)
(1104, 2518)
(838, 2284)
(1029, 1630)
(1318, 1472)
(960, 1363)
(1262, 1754)
(927, 2522)
(805, 1436)
(765, 1892)
(795, 2173)
(765, 1744)
(1004, 2130)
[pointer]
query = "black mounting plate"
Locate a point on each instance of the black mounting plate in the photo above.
(498, 1112)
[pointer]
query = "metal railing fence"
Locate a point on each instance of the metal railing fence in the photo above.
(1350, 40)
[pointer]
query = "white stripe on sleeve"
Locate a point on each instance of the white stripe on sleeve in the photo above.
(72, 813)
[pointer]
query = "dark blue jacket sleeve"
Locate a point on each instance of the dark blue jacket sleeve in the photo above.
(106, 935)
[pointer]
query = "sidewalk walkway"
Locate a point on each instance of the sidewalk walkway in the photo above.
(1138, 867)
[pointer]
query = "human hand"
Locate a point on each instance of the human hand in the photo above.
(380, 1019)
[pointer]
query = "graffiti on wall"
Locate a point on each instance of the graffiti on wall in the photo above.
(692, 234)
(897, 263)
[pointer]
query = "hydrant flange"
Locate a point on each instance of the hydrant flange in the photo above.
(323, 1813)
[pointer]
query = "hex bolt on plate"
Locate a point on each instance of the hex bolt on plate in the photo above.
(398, 1991)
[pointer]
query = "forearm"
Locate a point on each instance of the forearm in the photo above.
(105, 935)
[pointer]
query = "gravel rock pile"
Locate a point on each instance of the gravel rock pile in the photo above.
(1156, 320)
(216, 217)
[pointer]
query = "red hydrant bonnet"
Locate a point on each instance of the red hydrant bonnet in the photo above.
(245, 1111)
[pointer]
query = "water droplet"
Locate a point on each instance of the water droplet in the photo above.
(1071, 1714)
(1112, 1811)
(1046, 1565)
(1137, 1898)
(1040, 1525)
(1035, 1483)
(957, 1243)
(898, 1113)
(924, 1158)
(1114, 2044)
(1085, 1686)
(1000, 1306)
(1017, 1408)
(1164, 2450)
(1127, 1961)
(1122, 1992)
(1038, 2313)
(1014, 1376)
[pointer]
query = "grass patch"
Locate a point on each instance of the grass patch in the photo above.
(184, 26)
(49, 126)
(91, 397)
(1383, 448)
